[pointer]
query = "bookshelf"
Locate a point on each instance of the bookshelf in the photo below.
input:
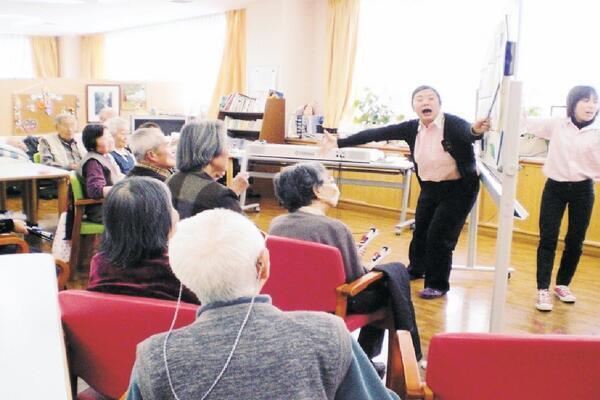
(272, 128)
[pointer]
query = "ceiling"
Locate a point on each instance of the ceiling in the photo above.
(76, 17)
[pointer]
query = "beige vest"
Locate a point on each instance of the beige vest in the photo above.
(58, 149)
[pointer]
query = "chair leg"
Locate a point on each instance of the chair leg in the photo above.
(395, 370)
(75, 238)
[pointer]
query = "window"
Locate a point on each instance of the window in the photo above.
(17, 49)
(188, 52)
(558, 51)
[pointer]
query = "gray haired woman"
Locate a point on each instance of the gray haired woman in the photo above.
(307, 191)
(202, 159)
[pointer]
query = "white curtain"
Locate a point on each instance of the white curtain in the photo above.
(15, 53)
(187, 51)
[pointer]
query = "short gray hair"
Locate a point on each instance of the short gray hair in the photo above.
(114, 124)
(144, 140)
(199, 143)
(224, 267)
(60, 118)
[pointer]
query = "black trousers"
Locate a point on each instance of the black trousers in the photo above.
(441, 212)
(579, 196)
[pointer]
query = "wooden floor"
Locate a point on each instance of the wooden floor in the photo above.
(467, 306)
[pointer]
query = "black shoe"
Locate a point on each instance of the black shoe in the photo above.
(379, 368)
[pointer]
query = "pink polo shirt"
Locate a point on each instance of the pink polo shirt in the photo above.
(573, 154)
(435, 164)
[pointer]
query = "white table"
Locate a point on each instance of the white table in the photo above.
(33, 362)
(397, 166)
(30, 173)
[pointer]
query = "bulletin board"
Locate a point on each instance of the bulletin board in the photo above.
(34, 113)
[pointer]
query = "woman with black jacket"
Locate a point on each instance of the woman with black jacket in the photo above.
(441, 146)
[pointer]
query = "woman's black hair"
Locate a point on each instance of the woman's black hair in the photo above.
(294, 184)
(425, 87)
(90, 134)
(137, 221)
(578, 93)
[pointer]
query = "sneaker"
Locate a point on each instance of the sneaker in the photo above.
(544, 300)
(564, 294)
(431, 293)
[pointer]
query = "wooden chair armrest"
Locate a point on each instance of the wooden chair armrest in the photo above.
(355, 287)
(124, 397)
(64, 273)
(412, 378)
(22, 245)
(87, 202)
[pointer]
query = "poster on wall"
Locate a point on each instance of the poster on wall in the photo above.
(34, 113)
(101, 96)
(134, 97)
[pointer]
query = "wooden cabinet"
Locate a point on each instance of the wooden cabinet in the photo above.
(273, 122)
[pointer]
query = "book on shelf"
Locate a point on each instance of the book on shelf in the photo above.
(237, 102)
(242, 125)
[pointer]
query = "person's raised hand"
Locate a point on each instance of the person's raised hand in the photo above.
(240, 183)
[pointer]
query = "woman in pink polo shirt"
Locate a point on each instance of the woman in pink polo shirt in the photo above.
(441, 146)
(572, 164)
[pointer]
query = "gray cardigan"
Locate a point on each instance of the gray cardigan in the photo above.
(281, 355)
(321, 229)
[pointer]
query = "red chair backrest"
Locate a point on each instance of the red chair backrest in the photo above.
(103, 331)
(491, 366)
(304, 275)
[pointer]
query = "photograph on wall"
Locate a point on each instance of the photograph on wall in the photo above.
(101, 96)
(34, 113)
(134, 97)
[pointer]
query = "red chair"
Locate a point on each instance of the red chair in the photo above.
(500, 366)
(311, 277)
(103, 330)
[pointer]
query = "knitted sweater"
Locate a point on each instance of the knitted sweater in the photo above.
(196, 191)
(321, 229)
(281, 355)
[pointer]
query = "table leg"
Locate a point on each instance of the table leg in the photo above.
(26, 197)
(2, 195)
(62, 195)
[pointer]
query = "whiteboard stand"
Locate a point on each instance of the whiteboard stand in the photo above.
(510, 168)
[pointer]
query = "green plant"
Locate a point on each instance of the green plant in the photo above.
(370, 110)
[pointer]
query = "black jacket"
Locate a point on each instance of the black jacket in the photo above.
(458, 140)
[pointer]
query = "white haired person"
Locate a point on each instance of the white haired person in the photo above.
(107, 113)
(153, 156)
(119, 129)
(240, 345)
(63, 149)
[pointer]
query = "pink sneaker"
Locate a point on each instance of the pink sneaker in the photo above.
(564, 294)
(544, 300)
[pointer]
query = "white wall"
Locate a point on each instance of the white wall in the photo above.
(290, 35)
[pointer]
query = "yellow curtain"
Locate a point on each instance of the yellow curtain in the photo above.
(232, 75)
(342, 32)
(45, 56)
(92, 57)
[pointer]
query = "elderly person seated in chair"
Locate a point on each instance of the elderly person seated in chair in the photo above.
(63, 149)
(307, 191)
(152, 153)
(97, 171)
(119, 129)
(241, 346)
(202, 159)
(133, 260)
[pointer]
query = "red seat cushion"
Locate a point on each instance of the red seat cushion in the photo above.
(103, 331)
(491, 366)
(356, 321)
